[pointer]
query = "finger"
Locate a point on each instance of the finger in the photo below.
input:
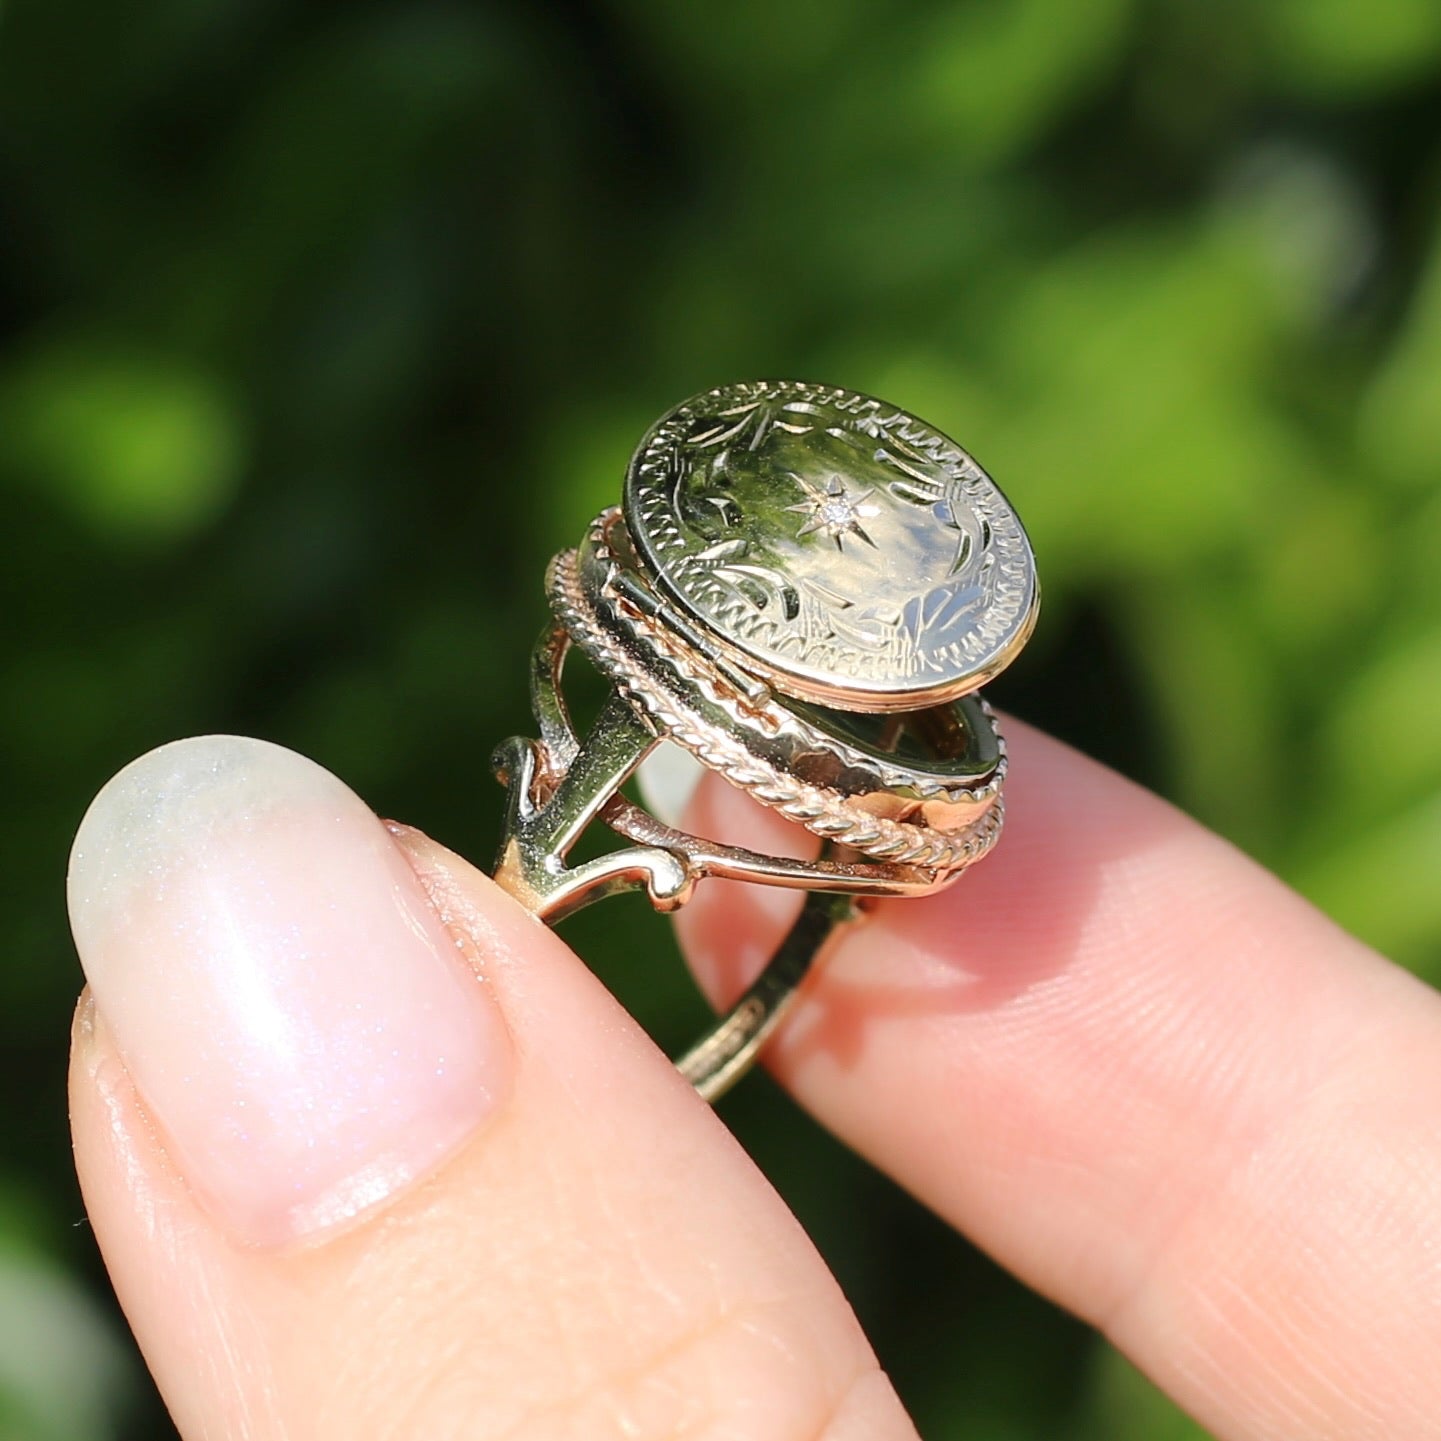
(370, 1154)
(1151, 1080)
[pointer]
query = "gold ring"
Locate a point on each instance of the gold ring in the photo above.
(804, 587)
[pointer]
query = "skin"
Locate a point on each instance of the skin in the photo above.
(1125, 1060)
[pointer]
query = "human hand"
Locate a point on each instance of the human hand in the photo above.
(370, 1153)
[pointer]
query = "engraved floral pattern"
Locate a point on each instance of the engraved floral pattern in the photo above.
(833, 537)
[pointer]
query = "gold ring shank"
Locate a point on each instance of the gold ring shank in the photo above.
(559, 784)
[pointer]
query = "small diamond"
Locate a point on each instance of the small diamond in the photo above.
(833, 510)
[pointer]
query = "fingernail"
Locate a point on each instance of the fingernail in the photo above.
(296, 1018)
(667, 779)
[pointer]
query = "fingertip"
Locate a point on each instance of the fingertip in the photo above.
(1148, 1078)
(280, 990)
(603, 1248)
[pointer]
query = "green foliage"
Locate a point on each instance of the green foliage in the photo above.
(63, 1371)
(305, 306)
(137, 448)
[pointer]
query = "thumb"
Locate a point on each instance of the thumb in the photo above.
(370, 1153)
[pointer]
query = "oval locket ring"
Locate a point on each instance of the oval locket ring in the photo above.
(804, 587)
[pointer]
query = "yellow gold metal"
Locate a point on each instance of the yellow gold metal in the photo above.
(558, 785)
(803, 591)
(837, 548)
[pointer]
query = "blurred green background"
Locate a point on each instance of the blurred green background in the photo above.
(304, 307)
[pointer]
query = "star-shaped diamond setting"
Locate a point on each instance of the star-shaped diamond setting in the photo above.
(833, 510)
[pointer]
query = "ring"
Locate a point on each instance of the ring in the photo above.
(803, 587)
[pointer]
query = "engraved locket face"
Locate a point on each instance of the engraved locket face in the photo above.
(848, 553)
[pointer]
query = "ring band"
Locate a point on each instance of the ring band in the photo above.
(804, 588)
